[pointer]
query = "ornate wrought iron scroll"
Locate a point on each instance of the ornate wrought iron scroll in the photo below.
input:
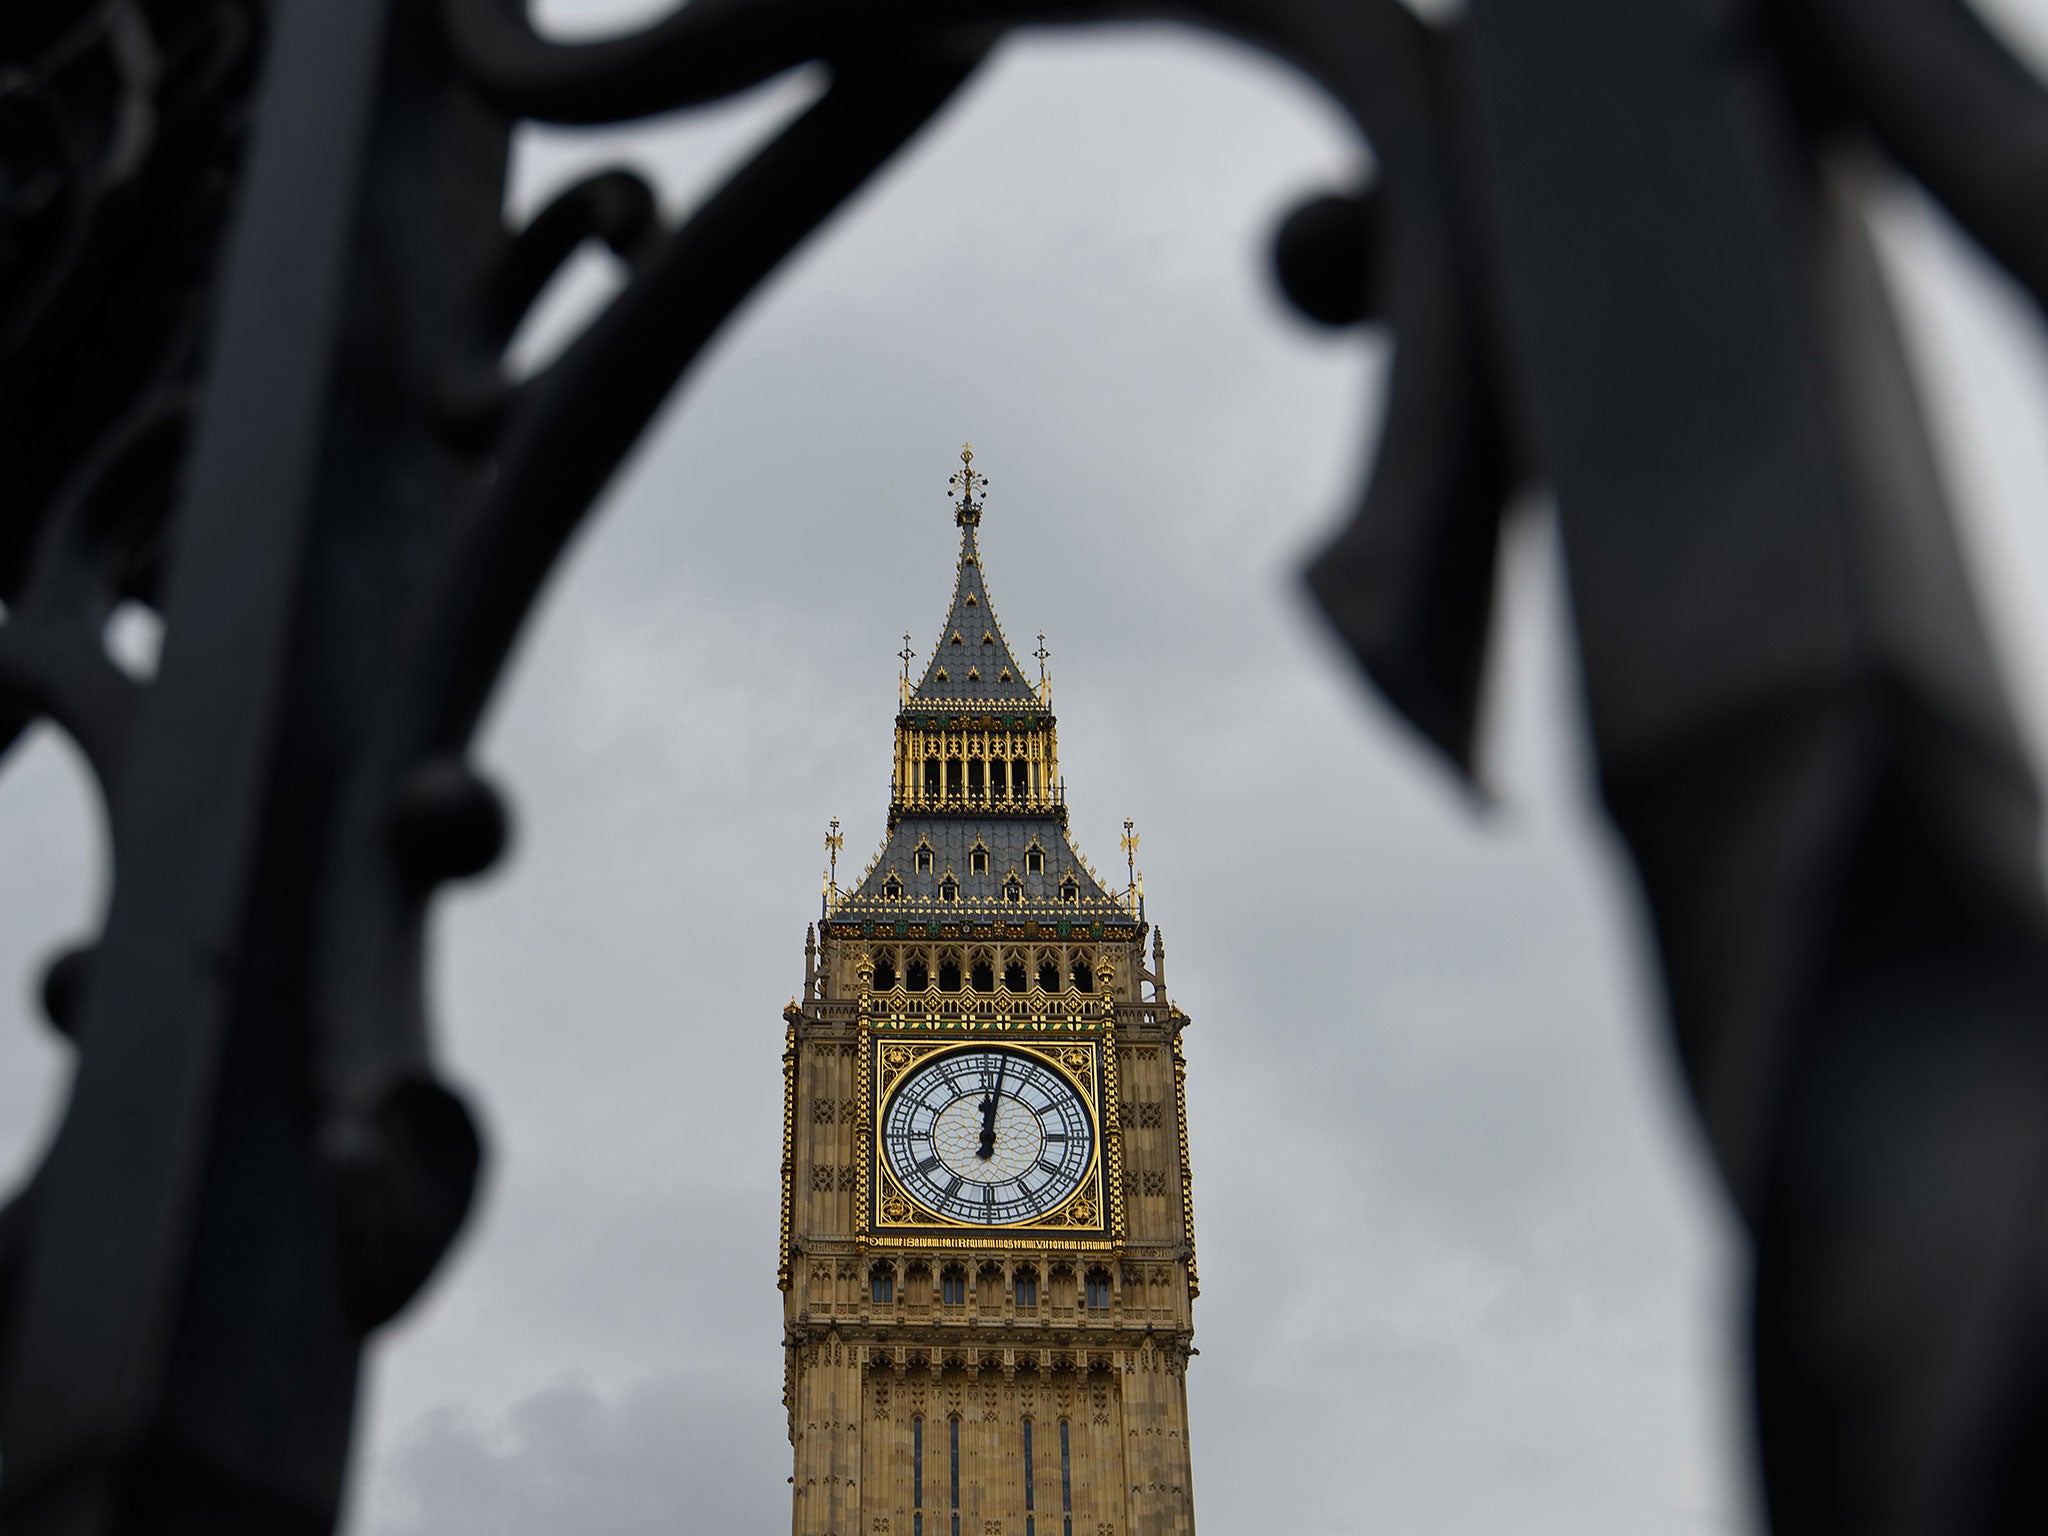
(254, 299)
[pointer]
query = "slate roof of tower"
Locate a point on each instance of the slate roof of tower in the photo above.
(971, 650)
(1007, 838)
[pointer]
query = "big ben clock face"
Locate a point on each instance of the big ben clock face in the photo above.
(988, 1136)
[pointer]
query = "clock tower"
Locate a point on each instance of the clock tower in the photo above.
(988, 1248)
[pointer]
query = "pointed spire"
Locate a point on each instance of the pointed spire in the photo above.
(972, 662)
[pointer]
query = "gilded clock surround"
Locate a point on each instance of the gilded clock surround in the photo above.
(894, 1218)
(930, 1360)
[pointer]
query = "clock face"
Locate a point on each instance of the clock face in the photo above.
(987, 1136)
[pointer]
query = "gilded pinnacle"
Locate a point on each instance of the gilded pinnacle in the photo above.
(966, 480)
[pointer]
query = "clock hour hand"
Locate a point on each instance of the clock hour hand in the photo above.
(987, 1149)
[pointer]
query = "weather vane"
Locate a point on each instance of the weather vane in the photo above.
(833, 843)
(964, 482)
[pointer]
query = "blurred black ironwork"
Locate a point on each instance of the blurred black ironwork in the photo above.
(254, 298)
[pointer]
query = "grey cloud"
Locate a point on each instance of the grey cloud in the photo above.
(656, 1456)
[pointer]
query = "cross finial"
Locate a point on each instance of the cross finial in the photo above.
(1041, 653)
(833, 843)
(965, 482)
(1130, 847)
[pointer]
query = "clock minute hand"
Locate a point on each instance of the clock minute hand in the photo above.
(987, 1149)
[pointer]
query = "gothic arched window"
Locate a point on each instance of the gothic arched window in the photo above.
(881, 1285)
(917, 1468)
(1098, 1289)
(953, 1286)
(1048, 975)
(885, 971)
(1030, 1488)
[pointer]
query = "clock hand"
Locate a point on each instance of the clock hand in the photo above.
(987, 1149)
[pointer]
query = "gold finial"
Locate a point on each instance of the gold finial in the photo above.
(965, 482)
(833, 843)
(1130, 847)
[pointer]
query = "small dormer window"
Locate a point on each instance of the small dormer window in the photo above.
(977, 861)
(1006, 675)
(1034, 861)
(970, 601)
(1070, 890)
(956, 640)
(974, 674)
(949, 889)
(1013, 889)
(941, 675)
(892, 889)
(988, 637)
(924, 858)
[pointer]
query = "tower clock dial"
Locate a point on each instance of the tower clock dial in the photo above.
(988, 1136)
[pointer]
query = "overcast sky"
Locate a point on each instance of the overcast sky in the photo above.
(1464, 1268)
